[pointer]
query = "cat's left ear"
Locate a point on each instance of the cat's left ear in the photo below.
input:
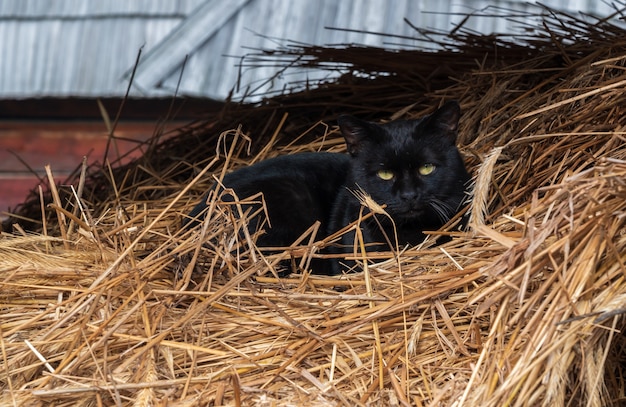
(446, 120)
(354, 131)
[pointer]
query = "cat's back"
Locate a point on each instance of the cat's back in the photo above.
(309, 168)
(297, 189)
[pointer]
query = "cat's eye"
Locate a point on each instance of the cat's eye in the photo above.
(385, 175)
(427, 169)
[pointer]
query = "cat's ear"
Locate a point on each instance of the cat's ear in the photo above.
(354, 131)
(446, 120)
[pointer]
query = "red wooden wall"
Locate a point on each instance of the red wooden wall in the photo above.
(60, 132)
(62, 145)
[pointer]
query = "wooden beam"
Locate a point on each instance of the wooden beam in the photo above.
(202, 24)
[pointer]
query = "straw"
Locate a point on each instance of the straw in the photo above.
(523, 309)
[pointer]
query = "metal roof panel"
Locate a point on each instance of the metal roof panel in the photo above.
(84, 47)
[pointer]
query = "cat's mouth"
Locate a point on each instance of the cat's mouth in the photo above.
(410, 212)
(419, 210)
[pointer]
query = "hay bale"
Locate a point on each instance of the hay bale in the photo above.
(524, 309)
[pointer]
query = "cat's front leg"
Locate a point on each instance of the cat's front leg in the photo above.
(344, 247)
(351, 246)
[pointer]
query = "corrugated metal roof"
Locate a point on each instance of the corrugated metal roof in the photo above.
(88, 47)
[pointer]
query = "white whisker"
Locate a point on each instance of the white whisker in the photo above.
(443, 209)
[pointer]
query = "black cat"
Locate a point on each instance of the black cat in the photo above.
(411, 166)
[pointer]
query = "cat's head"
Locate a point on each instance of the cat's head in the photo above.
(412, 166)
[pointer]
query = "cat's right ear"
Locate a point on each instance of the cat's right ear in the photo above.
(354, 131)
(446, 119)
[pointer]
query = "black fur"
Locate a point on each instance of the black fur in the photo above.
(414, 201)
(298, 190)
(426, 189)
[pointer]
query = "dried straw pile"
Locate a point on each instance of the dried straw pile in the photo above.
(525, 309)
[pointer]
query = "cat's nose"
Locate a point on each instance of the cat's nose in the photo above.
(409, 195)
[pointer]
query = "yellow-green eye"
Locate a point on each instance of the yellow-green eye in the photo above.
(427, 169)
(385, 175)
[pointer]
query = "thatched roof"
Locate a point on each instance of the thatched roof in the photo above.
(103, 305)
